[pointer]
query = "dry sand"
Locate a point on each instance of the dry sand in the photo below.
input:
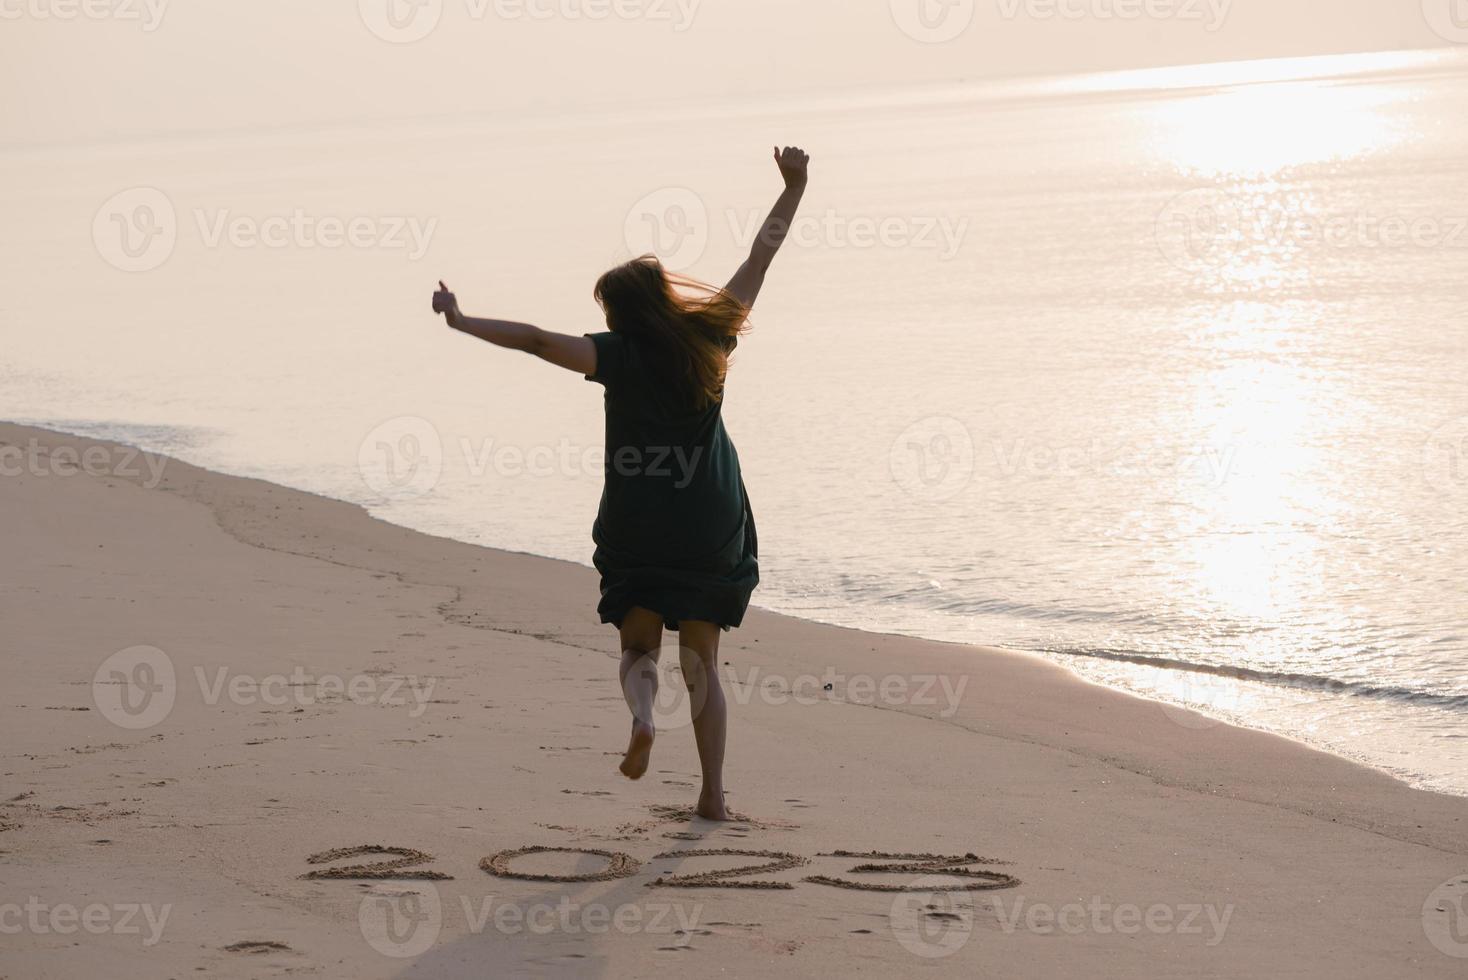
(164, 827)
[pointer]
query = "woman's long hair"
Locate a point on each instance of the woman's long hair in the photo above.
(692, 325)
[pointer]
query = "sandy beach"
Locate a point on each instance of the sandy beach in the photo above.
(211, 680)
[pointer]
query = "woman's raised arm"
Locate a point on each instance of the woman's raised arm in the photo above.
(745, 285)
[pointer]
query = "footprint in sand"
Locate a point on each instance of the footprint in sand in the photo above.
(258, 946)
(93, 749)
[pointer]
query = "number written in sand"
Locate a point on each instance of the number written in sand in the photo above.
(926, 865)
(622, 865)
(619, 865)
(401, 858)
(777, 861)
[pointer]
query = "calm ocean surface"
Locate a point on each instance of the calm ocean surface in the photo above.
(1156, 374)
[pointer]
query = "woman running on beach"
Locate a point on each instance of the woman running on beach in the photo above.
(675, 536)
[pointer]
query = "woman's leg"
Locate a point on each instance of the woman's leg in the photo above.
(698, 654)
(642, 639)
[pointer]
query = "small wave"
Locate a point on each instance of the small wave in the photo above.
(151, 438)
(936, 598)
(1309, 682)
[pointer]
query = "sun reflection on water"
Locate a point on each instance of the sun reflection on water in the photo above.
(1261, 130)
(1256, 546)
(1259, 535)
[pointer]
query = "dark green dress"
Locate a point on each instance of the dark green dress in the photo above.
(675, 533)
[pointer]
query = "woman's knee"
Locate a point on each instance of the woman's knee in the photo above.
(698, 655)
(642, 633)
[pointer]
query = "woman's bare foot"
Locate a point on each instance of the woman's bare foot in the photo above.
(639, 750)
(712, 807)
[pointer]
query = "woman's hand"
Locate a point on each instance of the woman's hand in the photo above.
(792, 162)
(447, 303)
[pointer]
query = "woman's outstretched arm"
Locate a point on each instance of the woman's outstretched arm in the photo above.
(573, 353)
(745, 285)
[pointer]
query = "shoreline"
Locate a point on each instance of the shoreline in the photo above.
(1324, 865)
(1071, 663)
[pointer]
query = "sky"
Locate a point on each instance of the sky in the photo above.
(82, 71)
